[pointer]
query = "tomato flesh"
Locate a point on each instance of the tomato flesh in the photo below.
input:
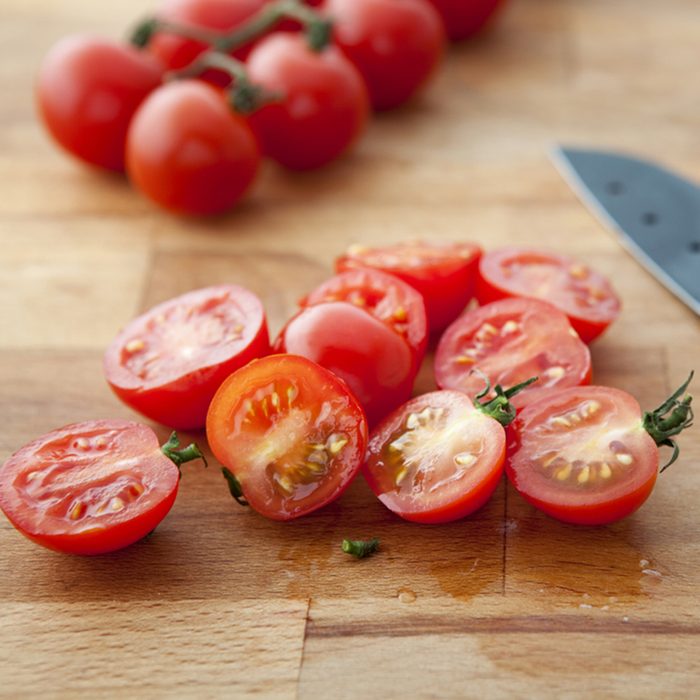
(444, 274)
(511, 341)
(89, 488)
(376, 362)
(169, 362)
(290, 431)
(583, 294)
(582, 455)
(387, 298)
(435, 459)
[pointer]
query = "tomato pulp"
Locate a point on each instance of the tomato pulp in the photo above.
(169, 362)
(290, 431)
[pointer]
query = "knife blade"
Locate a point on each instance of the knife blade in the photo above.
(655, 212)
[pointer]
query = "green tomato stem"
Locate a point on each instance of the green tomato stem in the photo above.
(360, 548)
(234, 486)
(179, 456)
(500, 408)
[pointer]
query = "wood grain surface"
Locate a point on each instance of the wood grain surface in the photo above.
(219, 602)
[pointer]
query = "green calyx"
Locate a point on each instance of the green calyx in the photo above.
(360, 548)
(171, 449)
(500, 408)
(671, 418)
(234, 486)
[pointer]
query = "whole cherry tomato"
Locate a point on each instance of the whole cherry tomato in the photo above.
(189, 152)
(395, 44)
(169, 362)
(322, 106)
(87, 92)
(464, 18)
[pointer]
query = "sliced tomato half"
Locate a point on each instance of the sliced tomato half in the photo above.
(583, 456)
(511, 341)
(168, 363)
(583, 294)
(89, 488)
(443, 273)
(435, 459)
(290, 431)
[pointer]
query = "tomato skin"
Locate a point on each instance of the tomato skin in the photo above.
(558, 287)
(464, 18)
(375, 362)
(443, 274)
(87, 92)
(189, 152)
(616, 497)
(326, 404)
(435, 508)
(182, 397)
(323, 107)
(542, 344)
(43, 514)
(395, 44)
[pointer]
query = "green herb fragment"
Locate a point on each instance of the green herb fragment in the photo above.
(360, 548)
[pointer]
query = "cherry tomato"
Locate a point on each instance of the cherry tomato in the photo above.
(510, 341)
(443, 273)
(89, 488)
(584, 295)
(435, 459)
(87, 92)
(395, 44)
(189, 152)
(376, 362)
(386, 297)
(583, 456)
(168, 363)
(290, 431)
(464, 18)
(323, 105)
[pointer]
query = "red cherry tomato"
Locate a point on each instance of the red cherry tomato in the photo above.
(510, 341)
(189, 152)
(436, 458)
(582, 455)
(395, 44)
(386, 297)
(323, 105)
(443, 273)
(464, 18)
(291, 433)
(377, 363)
(169, 362)
(584, 295)
(87, 92)
(89, 488)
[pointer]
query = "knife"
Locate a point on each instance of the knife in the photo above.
(655, 213)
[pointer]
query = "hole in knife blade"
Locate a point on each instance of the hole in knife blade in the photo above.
(694, 246)
(650, 218)
(615, 188)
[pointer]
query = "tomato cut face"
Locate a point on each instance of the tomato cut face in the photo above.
(290, 431)
(169, 362)
(89, 488)
(511, 341)
(376, 363)
(435, 459)
(385, 297)
(582, 455)
(444, 274)
(584, 295)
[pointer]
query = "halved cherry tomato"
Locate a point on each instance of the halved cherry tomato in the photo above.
(464, 18)
(510, 341)
(386, 297)
(377, 363)
(89, 488)
(395, 44)
(583, 294)
(87, 92)
(435, 459)
(583, 456)
(443, 273)
(169, 362)
(290, 431)
(322, 106)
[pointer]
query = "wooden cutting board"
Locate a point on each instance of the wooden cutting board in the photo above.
(222, 603)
